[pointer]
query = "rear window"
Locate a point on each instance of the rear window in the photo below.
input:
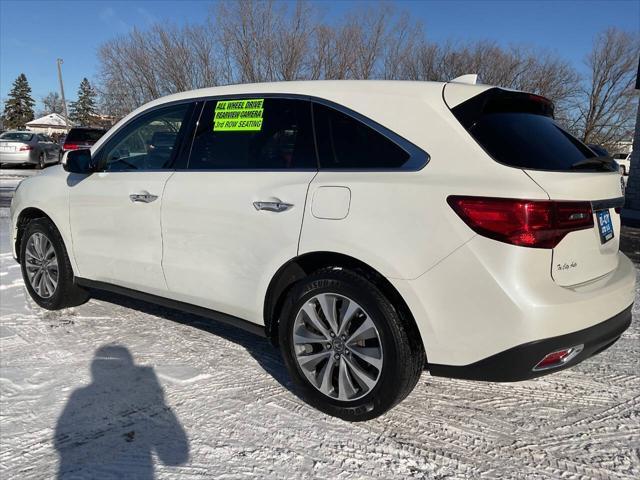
(518, 130)
(91, 135)
(16, 136)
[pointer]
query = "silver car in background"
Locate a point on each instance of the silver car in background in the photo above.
(28, 148)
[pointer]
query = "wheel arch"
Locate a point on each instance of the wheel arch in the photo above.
(24, 217)
(302, 266)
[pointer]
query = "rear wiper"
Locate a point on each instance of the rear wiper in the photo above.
(599, 161)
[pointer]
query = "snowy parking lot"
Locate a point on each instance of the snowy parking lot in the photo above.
(121, 389)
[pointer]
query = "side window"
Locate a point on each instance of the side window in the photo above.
(148, 143)
(254, 134)
(346, 143)
(41, 138)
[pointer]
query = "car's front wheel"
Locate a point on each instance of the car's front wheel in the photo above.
(46, 268)
(346, 346)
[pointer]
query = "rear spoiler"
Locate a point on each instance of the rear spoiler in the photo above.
(462, 88)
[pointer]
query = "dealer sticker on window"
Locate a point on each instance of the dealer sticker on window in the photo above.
(238, 115)
(604, 225)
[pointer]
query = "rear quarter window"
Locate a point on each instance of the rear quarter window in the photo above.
(347, 143)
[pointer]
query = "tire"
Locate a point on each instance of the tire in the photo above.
(41, 161)
(65, 293)
(389, 344)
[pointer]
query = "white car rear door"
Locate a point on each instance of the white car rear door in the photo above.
(233, 217)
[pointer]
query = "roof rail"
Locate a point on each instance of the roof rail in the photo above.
(470, 79)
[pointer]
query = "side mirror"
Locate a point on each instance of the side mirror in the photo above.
(79, 161)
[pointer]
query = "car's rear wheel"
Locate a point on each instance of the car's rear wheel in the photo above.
(41, 161)
(346, 346)
(46, 268)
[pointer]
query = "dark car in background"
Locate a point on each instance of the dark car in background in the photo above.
(81, 137)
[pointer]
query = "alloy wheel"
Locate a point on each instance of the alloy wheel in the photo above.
(337, 346)
(41, 264)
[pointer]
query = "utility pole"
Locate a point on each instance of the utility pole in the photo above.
(64, 102)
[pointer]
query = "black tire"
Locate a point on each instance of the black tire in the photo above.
(403, 356)
(66, 293)
(41, 161)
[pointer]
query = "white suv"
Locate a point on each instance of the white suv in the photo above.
(624, 160)
(371, 229)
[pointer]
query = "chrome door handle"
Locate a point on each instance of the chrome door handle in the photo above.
(272, 206)
(144, 197)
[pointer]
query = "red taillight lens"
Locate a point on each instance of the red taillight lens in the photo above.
(558, 358)
(70, 146)
(528, 223)
(25, 148)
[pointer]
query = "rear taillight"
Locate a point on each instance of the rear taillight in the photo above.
(528, 223)
(70, 146)
(25, 148)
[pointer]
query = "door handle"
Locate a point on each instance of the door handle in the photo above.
(144, 197)
(276, 206)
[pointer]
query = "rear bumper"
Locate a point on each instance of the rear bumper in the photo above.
(18, 158)
(517, 363)
(487, 298)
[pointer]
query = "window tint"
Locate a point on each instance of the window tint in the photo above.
(149, 143)
(344, 142)
(518, 130)
(85, 134)
(253, 134)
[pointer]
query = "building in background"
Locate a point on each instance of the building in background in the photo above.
(50, 124)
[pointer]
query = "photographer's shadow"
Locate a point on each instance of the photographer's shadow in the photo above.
(112, 427)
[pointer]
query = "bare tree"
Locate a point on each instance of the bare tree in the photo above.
(52, 103)
(514, 67)
(332, 55)
(293, 42)
(165, 59)
(368, 30)
(400, 46)
(606, 113)
(258, 41)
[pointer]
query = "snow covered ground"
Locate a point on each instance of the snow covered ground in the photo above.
(121, 389)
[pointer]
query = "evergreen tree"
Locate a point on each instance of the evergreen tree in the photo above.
(83, 111)
(18, 108)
